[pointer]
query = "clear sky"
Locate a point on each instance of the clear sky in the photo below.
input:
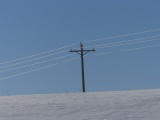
(29, 27)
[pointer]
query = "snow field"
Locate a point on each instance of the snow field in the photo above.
(120, 105)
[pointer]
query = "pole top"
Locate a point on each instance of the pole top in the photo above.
(81, 44)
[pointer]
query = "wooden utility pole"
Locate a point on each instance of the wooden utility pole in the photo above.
(82, 52)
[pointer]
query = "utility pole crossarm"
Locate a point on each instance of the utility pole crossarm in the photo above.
(78, 51)
(82, 52)
(74, 50)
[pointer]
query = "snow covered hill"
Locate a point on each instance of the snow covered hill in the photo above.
(124, 105)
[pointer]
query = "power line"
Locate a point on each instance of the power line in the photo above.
(34, 59)
(76, 44)
(73, 54)
(140, 48)
(121, 36)
(128, 43)
(132, 49)
(39, 53)
(36, 63)
(37, 69)
(97, 46)
(132, 40)
(77, 58)
(66, 50)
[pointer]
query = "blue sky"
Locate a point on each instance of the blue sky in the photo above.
(29, 27)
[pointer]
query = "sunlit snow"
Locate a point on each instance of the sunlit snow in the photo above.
(124, 105)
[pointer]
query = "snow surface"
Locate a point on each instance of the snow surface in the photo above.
(124, 105)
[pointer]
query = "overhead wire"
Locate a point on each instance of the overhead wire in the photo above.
(73, 54)
(132, 40)
(38, 69)
(96, 46)
(76, 58)
(125, 35)
(67, 50)
(126, 50)
(128, 43)
(33, 59)
(140, 48)
(37, 63)
(39, 54)
(119, 36)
